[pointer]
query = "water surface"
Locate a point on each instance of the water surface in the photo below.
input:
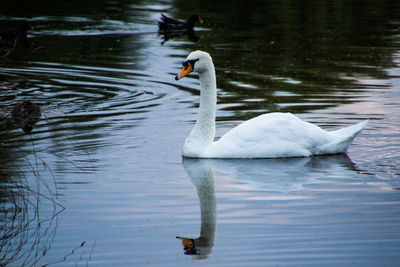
(100, 181)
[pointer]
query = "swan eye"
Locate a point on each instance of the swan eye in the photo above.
(190, 61)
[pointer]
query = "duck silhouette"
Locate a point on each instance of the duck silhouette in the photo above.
(26, 115)
(170, 28)
(16, 34)
(170, 24)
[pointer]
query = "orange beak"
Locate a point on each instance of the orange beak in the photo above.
(200, 20)
(185, 71)
(187, 243)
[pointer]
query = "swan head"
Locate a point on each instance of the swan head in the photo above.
(198, 61)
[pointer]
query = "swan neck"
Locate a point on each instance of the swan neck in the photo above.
(208, 102)
(202, 134)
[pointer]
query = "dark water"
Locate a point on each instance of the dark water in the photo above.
(100, 180)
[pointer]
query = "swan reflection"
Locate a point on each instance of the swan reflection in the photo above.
(202, 176)
(271, 175)
(281, 175)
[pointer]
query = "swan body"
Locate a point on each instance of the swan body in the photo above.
(272, 135)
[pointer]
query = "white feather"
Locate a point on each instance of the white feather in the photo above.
(272, 135)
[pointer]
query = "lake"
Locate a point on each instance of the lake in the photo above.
(100, 180)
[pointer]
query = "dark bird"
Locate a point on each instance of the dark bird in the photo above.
(170, 24)
(17, 34)
(26, 115)
(170, 28)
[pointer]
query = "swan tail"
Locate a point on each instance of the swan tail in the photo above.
(352, 130)
(343, 139)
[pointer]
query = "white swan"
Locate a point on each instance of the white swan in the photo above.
(272, 135)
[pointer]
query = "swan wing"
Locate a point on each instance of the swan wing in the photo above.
(280, 135)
